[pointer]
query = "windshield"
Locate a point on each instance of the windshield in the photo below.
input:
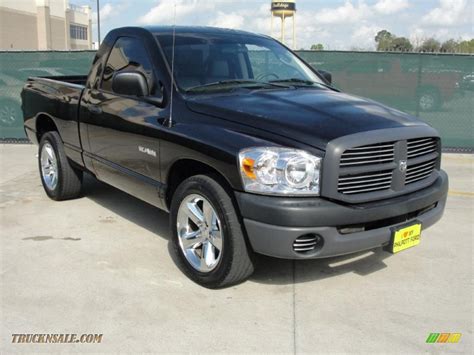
(213, 61)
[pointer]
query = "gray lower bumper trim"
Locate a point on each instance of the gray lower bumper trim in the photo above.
(277, 241)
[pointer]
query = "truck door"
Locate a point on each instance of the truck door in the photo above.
(123, 130)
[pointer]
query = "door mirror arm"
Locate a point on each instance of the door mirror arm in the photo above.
(159, 98)
(154, 100)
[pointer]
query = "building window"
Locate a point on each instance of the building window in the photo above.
(78, 32)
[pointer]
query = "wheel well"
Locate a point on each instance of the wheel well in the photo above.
(44, 124)
(185, 168)
(429, 89)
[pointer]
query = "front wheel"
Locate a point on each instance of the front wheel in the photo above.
(429, 100)
(207, 237)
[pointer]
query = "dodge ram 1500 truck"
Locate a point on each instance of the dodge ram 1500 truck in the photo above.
(249, 148)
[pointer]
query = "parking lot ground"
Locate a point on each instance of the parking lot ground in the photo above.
(101, 264)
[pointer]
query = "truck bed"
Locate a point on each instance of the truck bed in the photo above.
(65, 79)
(57, 97)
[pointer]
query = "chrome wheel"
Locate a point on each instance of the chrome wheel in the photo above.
(199, 233)
(8, 115)
(427, 102)
(49, 166)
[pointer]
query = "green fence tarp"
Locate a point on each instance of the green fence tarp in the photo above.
(16, 67)
(438, 88)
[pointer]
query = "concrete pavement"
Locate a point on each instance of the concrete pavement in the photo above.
(101, 264)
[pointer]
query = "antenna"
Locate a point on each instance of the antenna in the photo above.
(170, 121)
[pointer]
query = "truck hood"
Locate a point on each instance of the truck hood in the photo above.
(310, 116)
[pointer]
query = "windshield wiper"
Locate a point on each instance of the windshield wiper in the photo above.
(234, 82)
(301, 81)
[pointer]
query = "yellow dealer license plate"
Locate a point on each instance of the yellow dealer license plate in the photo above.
(406, 237)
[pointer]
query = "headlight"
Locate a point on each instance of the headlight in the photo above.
(280, 171)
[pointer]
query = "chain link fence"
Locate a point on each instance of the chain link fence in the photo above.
(438, 88)
(16, 67)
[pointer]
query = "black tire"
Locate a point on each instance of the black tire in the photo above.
(69, 179)
(237, 261)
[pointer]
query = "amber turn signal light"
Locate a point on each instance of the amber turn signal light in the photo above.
(248, 167)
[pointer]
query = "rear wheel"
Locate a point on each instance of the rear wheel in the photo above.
(61, 181)
(429, 100)
(208, 239)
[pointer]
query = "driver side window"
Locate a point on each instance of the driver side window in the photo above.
(128, 54)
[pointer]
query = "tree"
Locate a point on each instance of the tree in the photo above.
(466, 46)
(384, 40)
(383, 35)
(317, 47)
(449, 46)
(387, 41)
(401, 44)
(430, 45)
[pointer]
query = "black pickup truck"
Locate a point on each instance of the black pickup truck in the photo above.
(249, 148)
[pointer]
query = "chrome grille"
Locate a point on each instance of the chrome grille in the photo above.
(421, 146)
(383, 169)
(374, 181)
(419, 171)
(368, 154)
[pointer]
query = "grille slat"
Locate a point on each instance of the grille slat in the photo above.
(426, 168)
(367, 190)
(365, 182)
(419, 171)
(420, 149)
(378, 156)
(424, 152)
(414, 177)
(419, 140)
(368, 162)
(388, 178)
(417, 179)
(420, 145)
(362, 153)
(371, 147)
(410, 167)
(364, 176)
(369, 154)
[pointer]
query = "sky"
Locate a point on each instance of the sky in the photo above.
(337, 24)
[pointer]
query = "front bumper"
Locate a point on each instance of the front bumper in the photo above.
(273, 223)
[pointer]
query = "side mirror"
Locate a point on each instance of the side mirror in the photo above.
(130, 83)
(326, 75)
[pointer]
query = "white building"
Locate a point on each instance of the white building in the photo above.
(44, 25)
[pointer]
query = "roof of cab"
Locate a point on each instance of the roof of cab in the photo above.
(198, 29)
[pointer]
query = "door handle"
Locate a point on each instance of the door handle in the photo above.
(94, 109)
